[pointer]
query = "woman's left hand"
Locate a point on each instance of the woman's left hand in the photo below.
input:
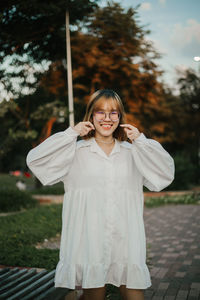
(131, 131)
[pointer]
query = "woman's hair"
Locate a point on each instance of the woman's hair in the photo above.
(95, 103)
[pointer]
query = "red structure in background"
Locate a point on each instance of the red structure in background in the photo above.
(19, 173)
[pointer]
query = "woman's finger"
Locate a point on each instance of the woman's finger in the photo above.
(127, 126)
(89, 124)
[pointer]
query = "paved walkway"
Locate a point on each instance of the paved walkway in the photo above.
(173, 233)
(173, 244)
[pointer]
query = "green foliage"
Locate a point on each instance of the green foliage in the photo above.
(29, 256)
(38, 29)
(9, 182)
(185, 172)
(115, 53)
(19, 234)
(12, 199)
(184, 127)
(193, 198)
(112, 52)
(56, 189)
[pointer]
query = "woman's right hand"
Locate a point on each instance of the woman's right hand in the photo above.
(83, 128)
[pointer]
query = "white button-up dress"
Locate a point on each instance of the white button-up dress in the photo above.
(103, 236)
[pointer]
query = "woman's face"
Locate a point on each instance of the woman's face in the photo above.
(106, 127)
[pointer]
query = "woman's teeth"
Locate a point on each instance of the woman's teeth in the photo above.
(106, 126)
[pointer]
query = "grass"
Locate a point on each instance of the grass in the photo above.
(193, 198)
(7, 180)
(19, 234)
(56, 189)
(12, 199)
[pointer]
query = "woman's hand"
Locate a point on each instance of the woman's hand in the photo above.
(131, 131)
(83, 128)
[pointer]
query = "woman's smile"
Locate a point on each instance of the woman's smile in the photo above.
(106, 126)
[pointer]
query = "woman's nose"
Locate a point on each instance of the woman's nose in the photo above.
(107, 117)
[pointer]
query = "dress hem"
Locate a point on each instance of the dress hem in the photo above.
(101, 285)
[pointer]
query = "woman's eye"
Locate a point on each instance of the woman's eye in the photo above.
(100, 112)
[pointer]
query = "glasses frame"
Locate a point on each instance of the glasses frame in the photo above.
(105, 115)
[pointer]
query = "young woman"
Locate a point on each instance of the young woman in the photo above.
(103, 237)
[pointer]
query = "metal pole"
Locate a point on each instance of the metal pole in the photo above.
(69, 73)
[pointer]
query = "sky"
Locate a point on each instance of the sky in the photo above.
(175, 32)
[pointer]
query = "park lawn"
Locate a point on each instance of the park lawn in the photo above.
(193, 198)
(7, 180)
(19, 233)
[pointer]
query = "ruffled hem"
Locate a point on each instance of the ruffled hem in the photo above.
(94, 276)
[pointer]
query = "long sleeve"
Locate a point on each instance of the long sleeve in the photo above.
(153, 162)
(51, 160)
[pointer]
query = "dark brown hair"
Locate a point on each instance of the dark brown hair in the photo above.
(106, 95)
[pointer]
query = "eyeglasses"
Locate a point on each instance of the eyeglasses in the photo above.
(101, 116)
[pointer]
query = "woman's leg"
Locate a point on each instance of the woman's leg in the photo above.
(131, 294)
(122, 290)
(135, 294)
(94, 293)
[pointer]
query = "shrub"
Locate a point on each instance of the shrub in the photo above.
(185, 172)
(8, 180)
(193, 198)
(12, 199)
(56, 189)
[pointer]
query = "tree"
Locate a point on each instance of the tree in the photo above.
(27, 122)
(33, 33)
(111, 53)
(184, 124)
(189, 83)
(114, 53)
(37, 28)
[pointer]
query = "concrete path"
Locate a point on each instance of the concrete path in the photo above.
(173, 234)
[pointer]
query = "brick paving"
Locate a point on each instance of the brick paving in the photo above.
(173, 243)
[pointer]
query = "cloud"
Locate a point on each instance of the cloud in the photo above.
(184, 35)
(162, 1)
(158, 45)
(181, 68)
(145, 6)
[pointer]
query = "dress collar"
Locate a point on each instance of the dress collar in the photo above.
(96, 148)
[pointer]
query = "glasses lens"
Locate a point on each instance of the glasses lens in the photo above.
(101, 115)
(114, 115)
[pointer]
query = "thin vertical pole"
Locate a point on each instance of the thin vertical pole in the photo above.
(69, 73)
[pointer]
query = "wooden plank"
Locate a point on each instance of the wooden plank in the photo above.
(4, 270)
(26, 284)
(36, 292)
(33, 286)
(13, 277)
(7, 274)
(22, 285)
(18, 280)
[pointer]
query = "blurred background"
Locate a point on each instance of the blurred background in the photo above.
(148, 52)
